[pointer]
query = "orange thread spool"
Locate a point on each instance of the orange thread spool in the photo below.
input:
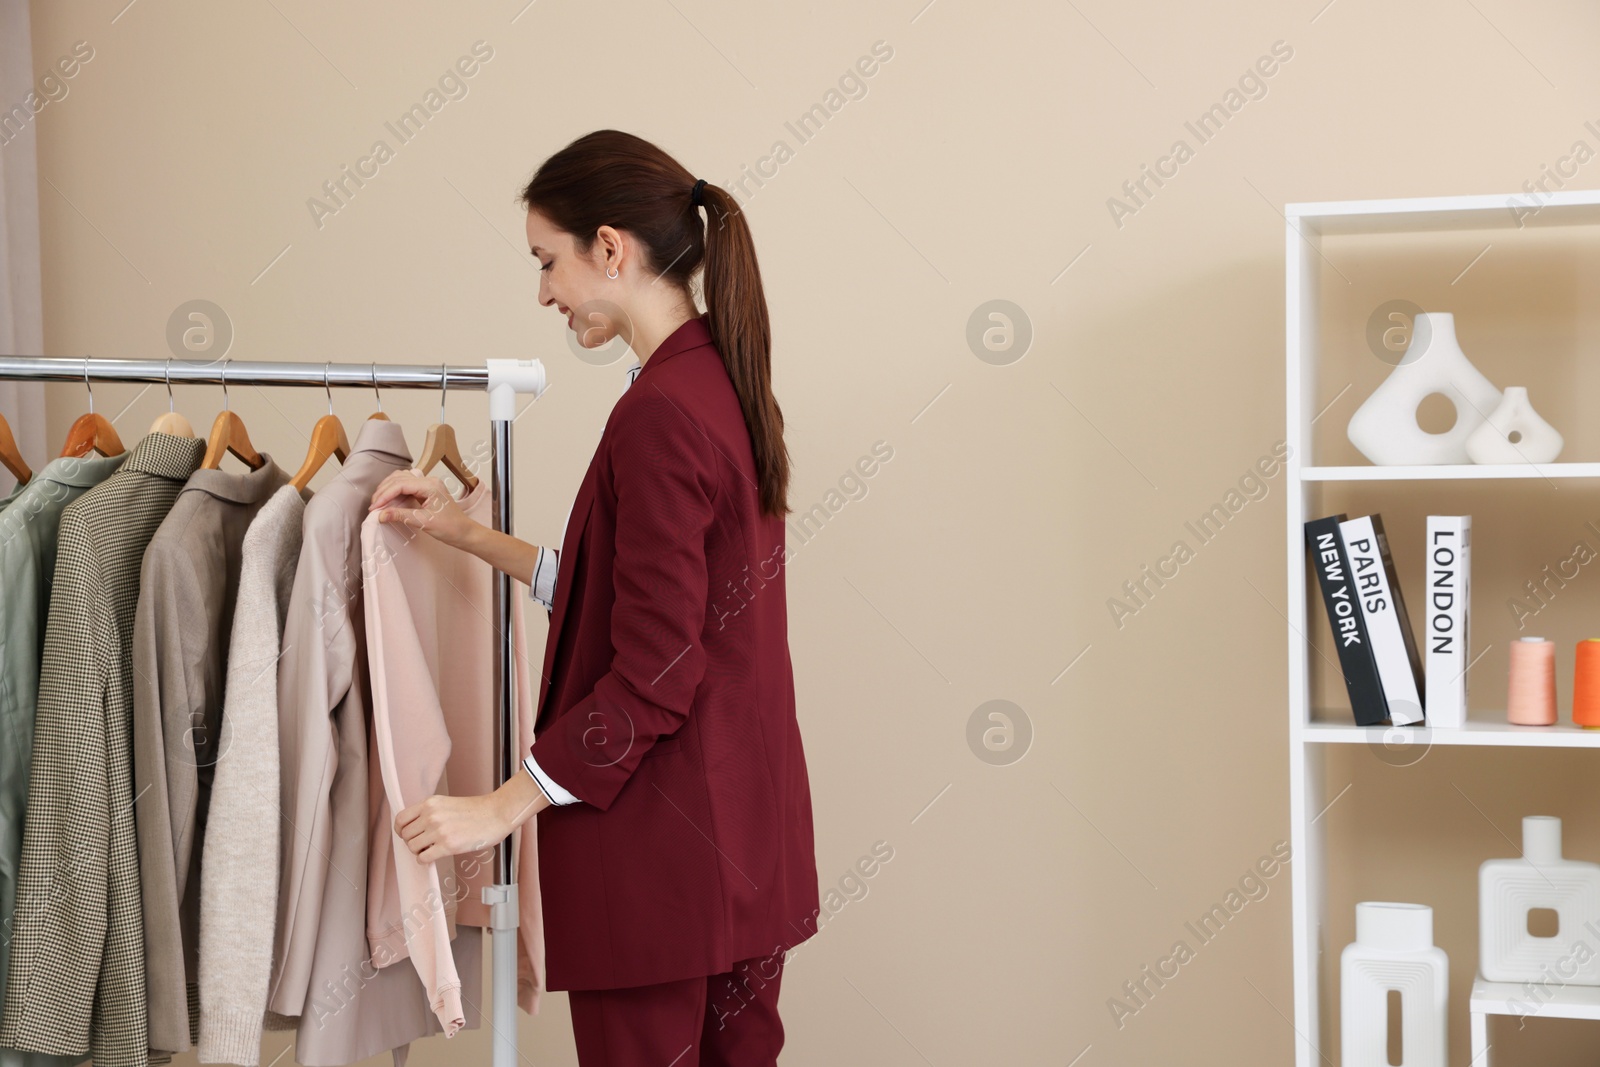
(1586, 684)
(1531, 696)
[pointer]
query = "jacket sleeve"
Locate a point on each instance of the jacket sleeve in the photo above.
(411, 747)
(665, 476)
(165, 786)
(315, 671)
(525, 842)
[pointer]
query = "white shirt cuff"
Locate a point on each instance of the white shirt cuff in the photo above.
(556, 794)
(545, 568)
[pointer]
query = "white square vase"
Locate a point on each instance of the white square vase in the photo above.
(1393, 950)
(1509, 889)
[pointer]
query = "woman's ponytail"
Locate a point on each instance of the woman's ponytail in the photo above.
(736, 311)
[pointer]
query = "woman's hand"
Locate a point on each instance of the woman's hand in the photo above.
(448, 826)
(425, 504)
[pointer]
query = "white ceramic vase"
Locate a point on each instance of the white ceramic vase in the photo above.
(1393, 950)
(1385, 426)
(1514, 433)
(1509, 889)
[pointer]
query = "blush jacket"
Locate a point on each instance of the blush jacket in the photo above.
(667, 701)
(431, 641)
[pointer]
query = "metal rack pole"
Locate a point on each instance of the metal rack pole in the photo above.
(241, 372)
(503, 895)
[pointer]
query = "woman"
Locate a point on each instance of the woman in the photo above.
(675, 840)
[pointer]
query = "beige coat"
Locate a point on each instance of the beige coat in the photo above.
(239, 871)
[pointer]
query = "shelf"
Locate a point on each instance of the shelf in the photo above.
(1573, 207)
(1561, 735)
(1449, 472)
(1507, 998)
(1401, 226)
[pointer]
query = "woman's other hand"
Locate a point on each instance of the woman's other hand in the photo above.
(449, 826)
(423, 503)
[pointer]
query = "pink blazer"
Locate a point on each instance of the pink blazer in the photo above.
(430, 646)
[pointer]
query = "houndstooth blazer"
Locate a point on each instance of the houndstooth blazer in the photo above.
(77, 981)
(28, 529)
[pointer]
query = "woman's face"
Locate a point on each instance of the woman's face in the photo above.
(576, 284)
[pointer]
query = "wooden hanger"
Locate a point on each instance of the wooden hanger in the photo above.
(91, 433)
(440, 445)
(229, 435)
(10, 457)
(171, 422)
(379, 413)
(327, 439)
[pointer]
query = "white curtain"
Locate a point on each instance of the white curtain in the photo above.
(21, 309)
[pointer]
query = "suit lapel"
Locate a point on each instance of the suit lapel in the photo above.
(566, 574)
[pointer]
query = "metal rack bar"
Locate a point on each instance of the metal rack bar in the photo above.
(367, 376)
(242, 372)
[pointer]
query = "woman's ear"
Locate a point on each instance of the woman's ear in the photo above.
(611, 248)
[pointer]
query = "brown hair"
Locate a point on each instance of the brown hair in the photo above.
(611, 178)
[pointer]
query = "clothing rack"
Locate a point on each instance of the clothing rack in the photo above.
(502, 379)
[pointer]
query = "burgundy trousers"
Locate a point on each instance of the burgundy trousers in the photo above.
(723, 1020)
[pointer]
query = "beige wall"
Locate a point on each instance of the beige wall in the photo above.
(978, 564)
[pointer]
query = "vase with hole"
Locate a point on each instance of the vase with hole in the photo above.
(1514, 433)
(1385, 427)
(1541, 880)
(1393, 966)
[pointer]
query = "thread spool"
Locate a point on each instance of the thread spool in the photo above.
(1531, 694)
(1586, 684)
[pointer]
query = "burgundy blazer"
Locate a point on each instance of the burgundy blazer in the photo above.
(667, 702)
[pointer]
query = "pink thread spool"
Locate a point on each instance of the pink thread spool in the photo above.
(1531, 696)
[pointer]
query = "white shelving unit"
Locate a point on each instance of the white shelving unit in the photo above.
(1307, 225)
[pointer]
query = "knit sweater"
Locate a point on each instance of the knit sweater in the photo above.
(239, 865)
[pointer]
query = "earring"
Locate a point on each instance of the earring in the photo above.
(612, 274)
